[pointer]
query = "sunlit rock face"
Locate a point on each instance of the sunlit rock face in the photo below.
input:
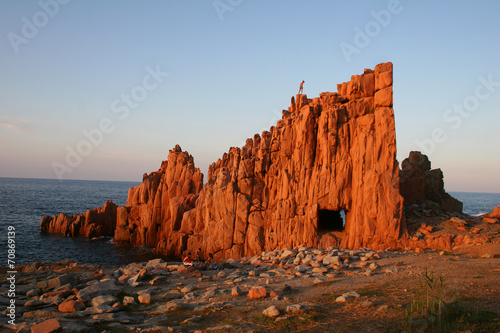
(288, 186)
(96, 222)
(325, 175)
(154, 210)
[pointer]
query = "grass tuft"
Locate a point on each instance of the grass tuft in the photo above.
(428, 312)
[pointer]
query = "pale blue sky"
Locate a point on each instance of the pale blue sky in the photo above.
(232, 66)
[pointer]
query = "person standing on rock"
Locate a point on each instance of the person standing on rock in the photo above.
(301, 88)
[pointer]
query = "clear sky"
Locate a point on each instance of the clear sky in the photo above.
(104, 89)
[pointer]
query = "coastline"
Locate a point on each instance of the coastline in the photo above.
(73, 248)
(304, 296)
(303, 289)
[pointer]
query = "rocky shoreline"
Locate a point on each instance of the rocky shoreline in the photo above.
(272, 291)
(78, 297)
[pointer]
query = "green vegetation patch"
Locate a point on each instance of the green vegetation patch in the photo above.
(428, 312)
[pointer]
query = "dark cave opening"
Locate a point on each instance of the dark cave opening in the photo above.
(331, 220)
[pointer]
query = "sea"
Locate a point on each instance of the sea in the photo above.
(23, 203)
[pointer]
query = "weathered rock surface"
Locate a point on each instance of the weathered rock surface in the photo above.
(155, 209)
(104, 287)
(495, 213)
(71, 306)
(271, 311)
(94, 223)
(257, 292)
(421, 185)
(286, 187)
(47, 326)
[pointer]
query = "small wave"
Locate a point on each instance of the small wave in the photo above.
(101, 238)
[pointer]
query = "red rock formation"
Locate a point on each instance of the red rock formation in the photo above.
(154, 210)
(331, 154)
(445, 241)
(419, 184)
(495, 213)
(94, 223)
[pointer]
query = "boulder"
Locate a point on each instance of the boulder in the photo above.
(135, 280)
(187, 289)
(287, 254)
(458, 221)
(351, 294)
(185, 270)
(155, 264)
(95, 222)
(32, 303)
(47, 326)
(257, 292)
(144, 298)
(271, 311)
(71, 306)
(495, 213)
(320, 270)
(103, 308)
(103, 299)
(295, 309)
(331, 260)
(128, 300)
(235, 291)
(106, 287)
(55, 282)
(318, 281)
(342, 299)
(420, 184)
(490, 220)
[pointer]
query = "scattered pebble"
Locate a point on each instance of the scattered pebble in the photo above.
(271, 311)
